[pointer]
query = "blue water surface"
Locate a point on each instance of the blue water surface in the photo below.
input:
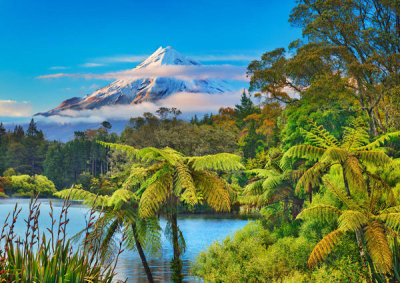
(198, 231)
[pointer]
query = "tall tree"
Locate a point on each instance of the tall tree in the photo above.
(354, 156)
(375, 214)
(168, 178)
(121, 211)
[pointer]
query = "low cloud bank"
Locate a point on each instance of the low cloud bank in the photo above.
(11, 108)
(183, 72)
(188, 103)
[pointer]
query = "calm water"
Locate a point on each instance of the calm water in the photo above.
(199, 232)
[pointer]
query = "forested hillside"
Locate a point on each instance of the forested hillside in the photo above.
(311, 151)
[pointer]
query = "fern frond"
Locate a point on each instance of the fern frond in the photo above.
(355, 137)
(335, 154)
(391, 219)
(213, 189)
(379, 142)
(254, 188)
(184, 183)
(376, 158)
(151, 154)
(393, 209)
(155, 194)
(324, 213)
(148, 232)
(273, 182)
(311, 177)
(301, 151)
(324, 247)
(86, 197)
(342, 196)
(320, 137)
(262, 173)
(119, 147)
(352, 220)
(221, 161)
(120, 197)
(378, 247)
(354, 174)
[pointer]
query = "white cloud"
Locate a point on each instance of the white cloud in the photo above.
(94, 86)
(122, 59)
(11, 108)
(228, 57)
(204, 58)
(183, 72)
(188, 103)
(91, 65)
(58, 68)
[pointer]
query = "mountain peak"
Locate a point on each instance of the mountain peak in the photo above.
(146, 89)
(166, 56)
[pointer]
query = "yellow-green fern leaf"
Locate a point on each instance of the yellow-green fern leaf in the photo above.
(213, 189)
(325, 213)
(154, 195)
(120, 147)
(352, 220)
(379, 142)
(301, 151)
(391, 219)
(221, 161)
(184, 185)
(378, 247)
(324, 247)
(376, 158)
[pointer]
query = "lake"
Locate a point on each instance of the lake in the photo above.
(198, 231)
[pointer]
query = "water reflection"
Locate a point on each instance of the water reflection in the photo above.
(198, 231)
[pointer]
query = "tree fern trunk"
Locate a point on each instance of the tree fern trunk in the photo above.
(360, 244)
(142, 255)
(176, 264)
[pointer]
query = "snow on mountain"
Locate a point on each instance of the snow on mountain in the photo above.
(134, 91)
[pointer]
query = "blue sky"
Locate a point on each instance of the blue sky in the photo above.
(46, 37)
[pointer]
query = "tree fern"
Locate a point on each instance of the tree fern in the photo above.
(391, 219)
(379, 142)
(378, 247)
(154, 195)
(352, 220)
(324, 247)
(213, 190)
(221, 161)
(325, 213)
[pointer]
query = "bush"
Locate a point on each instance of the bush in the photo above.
(28, 186)
(251, 256)
(241, 257)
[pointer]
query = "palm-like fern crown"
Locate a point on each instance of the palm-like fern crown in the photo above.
(271, 184)
(354, 154)
(120, 209)
(163, 172)
(377, 216)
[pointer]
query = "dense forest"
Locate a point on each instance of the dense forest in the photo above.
(311, 151)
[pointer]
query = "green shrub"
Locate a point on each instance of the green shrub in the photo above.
(28, 186)
(251, 256)
(241, 257)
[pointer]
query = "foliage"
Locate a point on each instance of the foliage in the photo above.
(251, 256)
(49, 257)
(28, 186)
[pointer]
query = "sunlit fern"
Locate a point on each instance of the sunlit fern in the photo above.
(353, 153)
(378, 223)
(121, 209)
(192, 179)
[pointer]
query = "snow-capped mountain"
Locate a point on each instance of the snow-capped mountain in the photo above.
(134, 91)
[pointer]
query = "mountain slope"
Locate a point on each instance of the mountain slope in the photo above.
(134, 91)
